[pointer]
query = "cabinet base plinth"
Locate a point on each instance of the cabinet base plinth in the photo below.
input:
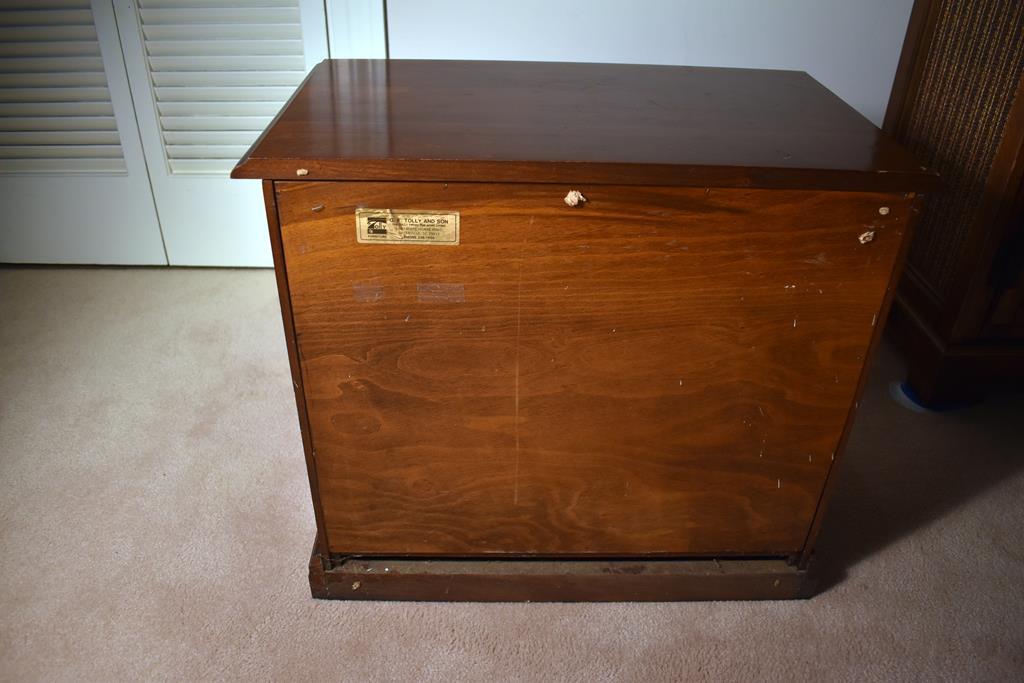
(558, 580)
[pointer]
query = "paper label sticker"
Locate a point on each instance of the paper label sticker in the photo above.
(402, 226)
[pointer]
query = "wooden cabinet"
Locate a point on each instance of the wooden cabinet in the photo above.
(564, 331)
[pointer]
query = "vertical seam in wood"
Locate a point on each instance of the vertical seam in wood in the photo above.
(519, 318)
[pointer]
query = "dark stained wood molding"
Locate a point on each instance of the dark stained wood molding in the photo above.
(944, 375)
(499, 580)
(587, 173)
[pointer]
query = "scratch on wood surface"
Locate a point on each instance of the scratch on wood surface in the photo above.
(519, 319)
(440, 292)
(367, 292)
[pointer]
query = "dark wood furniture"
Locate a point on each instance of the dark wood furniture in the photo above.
(958, 103)
(642, 396)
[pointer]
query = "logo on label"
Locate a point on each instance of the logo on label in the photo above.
(377, 225)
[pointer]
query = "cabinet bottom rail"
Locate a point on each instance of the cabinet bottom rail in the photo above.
(558, 580)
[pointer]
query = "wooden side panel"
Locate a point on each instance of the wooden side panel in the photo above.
(659, 371)
(284, 296)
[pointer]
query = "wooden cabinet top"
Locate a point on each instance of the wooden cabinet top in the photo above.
(579, 123)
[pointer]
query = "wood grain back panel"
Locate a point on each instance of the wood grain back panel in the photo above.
(657, 371)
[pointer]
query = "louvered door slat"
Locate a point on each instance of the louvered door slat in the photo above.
(284, 13)
(224, 94)
(55, 109)
(260, 63)
(50, 48)
(59, 137)
(196, 166)
(206, 151)
(22, 34)
(219, 69)
(21, 65)
(70, 165)
(60, 151)
(57, 94)
(57, 123)
(51, 4)
(59, 79)
(50, 109)
(36, 14)
(215, 123)
(217, 109)
(225, 31)
(226, 78)
(217, 46)
(206, 137)
(219, 4)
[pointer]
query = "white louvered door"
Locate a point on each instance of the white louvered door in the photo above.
(207, 77)
(73, 178)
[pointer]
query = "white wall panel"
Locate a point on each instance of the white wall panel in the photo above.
(851, 46)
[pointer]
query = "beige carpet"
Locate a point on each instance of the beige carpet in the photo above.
(155, 524)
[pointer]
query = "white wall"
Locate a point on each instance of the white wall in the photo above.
(355, 29)
(851, 46)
